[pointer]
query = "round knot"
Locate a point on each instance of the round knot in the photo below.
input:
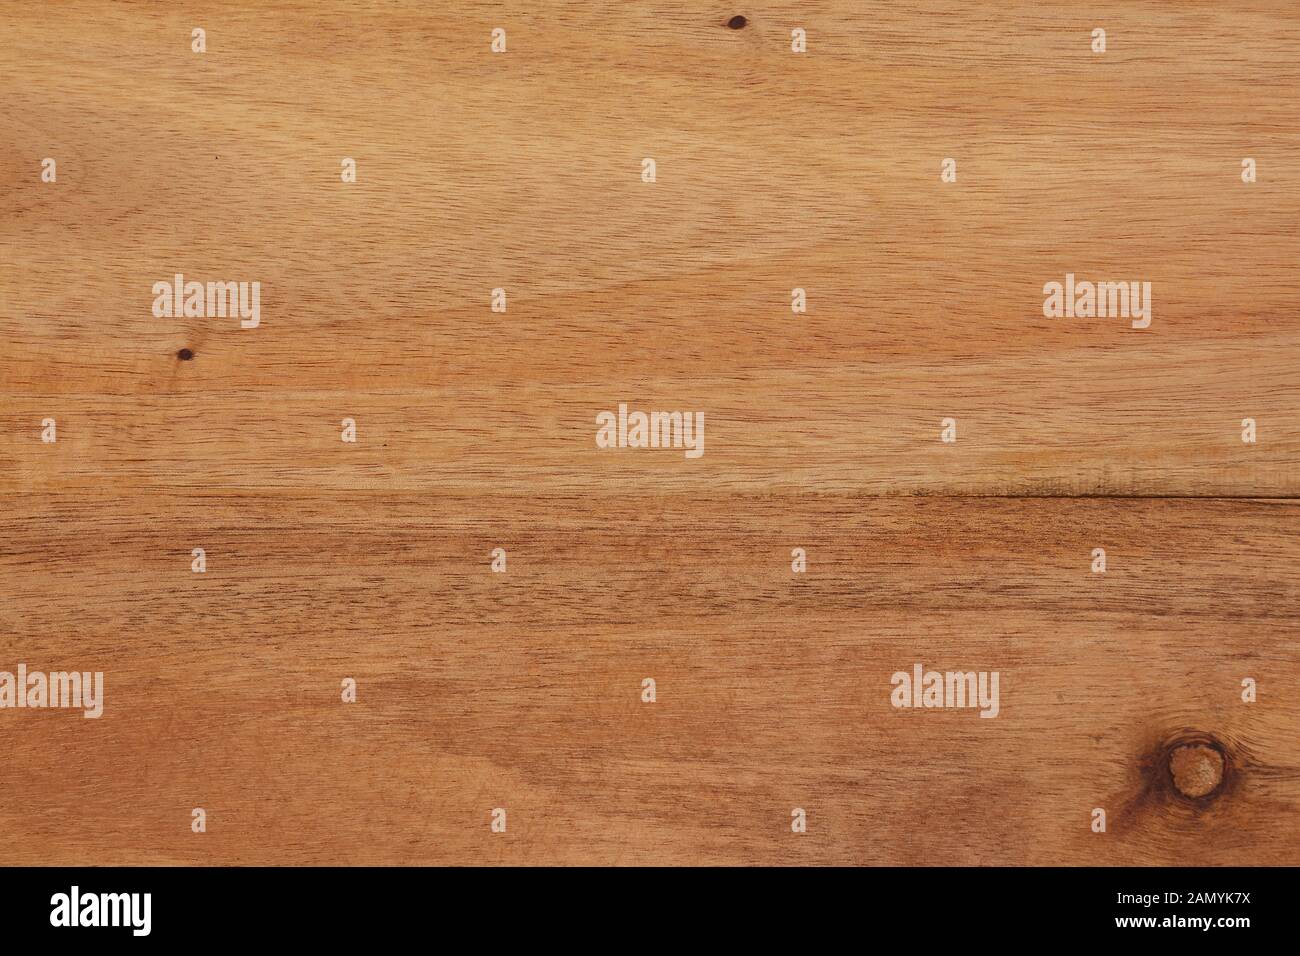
(1197, 769)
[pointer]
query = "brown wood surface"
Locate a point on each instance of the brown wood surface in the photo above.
(476, 430)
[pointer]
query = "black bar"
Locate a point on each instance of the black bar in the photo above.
(645, 907)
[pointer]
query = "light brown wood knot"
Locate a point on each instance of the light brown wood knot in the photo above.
(1197, 769)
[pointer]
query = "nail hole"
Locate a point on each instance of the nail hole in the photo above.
(737, 22)
(185, 354)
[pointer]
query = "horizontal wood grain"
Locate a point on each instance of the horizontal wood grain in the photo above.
(517, 439)
(776, 171)
(476, 430)
(522, 690)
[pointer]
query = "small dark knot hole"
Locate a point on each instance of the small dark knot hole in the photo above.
(737, 22)
(185, 354)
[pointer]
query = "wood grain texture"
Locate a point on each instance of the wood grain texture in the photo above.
(475, 431)
(479, 690)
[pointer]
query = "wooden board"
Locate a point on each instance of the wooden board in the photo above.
(476, 430)
(522, 690)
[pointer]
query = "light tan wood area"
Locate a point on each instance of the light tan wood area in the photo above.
(326, 559)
